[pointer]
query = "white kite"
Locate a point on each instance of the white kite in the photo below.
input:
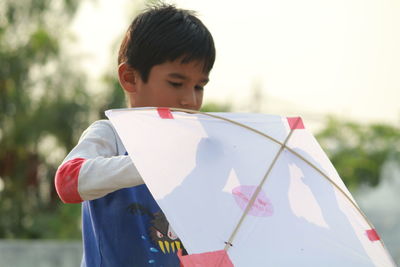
(247, 189)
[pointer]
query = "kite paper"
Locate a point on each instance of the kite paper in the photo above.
(247, 189)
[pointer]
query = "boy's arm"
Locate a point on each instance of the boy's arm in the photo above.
(94, 168)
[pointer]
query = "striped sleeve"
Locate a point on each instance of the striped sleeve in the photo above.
(94, 167)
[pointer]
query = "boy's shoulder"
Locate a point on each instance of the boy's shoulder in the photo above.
(100, 128)
(99, 139)
(102, 124)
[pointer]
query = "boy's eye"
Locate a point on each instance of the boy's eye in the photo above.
(199, 88)
(174, 84)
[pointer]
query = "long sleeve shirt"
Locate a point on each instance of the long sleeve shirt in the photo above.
(122, 225)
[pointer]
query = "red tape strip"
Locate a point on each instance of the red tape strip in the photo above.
(165, 113)
(218, 258)
(295, 123)
(372, 235)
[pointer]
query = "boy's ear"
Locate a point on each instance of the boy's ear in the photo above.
(127, 77)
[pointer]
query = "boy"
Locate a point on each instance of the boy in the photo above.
(164, 61)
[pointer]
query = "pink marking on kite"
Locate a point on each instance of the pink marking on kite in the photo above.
(165, 113)
(372, 235)
(295, 123)
(218, 258)
(262, 206)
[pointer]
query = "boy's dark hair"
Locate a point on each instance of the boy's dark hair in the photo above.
(164, 33)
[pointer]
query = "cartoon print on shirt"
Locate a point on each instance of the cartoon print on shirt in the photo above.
(160, 231)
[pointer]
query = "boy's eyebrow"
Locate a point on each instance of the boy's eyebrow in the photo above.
(183, 77)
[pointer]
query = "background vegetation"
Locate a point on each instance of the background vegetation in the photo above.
(45, 104)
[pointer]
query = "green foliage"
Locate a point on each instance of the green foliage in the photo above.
(43, 107)
(358, 151)
(114, 96)
(216, 107)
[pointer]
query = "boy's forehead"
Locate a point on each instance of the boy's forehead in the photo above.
(180, 69)
(181, 76)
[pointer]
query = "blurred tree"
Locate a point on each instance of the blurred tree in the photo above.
(43, 109)
(113, 95)
(216, 107)
(359, 151)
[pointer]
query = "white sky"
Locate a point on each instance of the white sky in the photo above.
(309, 57)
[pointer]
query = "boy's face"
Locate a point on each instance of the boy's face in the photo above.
(171, 84)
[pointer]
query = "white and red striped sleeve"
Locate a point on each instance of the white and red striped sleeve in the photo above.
(96, 166)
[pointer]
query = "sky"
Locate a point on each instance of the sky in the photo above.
(307, 58)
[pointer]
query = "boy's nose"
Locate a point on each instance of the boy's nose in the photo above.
(189, 100)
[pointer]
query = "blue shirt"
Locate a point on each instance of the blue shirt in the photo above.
(127, 228)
